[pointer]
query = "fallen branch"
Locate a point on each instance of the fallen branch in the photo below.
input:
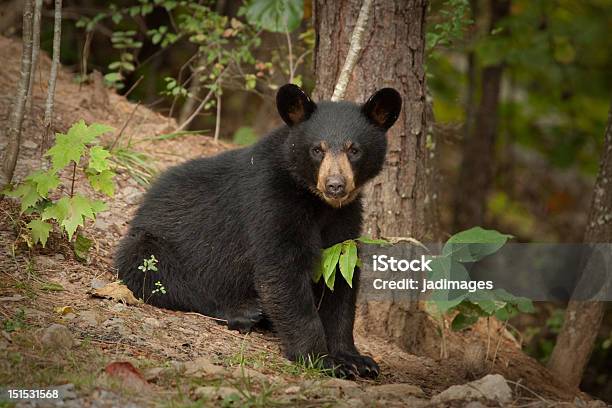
(353, 52)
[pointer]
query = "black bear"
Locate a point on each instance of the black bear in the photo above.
(238, 235)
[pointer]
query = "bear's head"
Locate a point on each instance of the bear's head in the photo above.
(334, 148)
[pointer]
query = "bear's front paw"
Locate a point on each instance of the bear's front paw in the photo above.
(364, 366)
(348, 365)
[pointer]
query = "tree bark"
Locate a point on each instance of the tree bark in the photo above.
(478, 164)
(9, 161)
(35, 51)
(582, 318)
(57, 41)
(402, 200)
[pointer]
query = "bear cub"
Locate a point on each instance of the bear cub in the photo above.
(238, 235)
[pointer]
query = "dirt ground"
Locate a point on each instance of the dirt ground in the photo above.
(181, 359)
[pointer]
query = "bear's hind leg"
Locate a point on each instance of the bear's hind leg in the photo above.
(166, 272)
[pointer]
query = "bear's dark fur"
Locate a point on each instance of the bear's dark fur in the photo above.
(237, 235)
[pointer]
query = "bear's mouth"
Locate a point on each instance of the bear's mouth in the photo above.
(337, 202)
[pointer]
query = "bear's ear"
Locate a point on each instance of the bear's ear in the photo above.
(293, 105)
(383, 108)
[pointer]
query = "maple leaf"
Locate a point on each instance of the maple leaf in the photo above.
(45, 181)
(103, 182)
(97, 159)
(40, 231)
(28, 194)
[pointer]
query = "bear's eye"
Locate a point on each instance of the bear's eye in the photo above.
(317, 151)
(353, 151)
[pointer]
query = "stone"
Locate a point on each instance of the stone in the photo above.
(57, 337)
(151, 322)
(211, 392)
(397, 391)
(491, 387)
(202, 367)
(241, 372)
(90, 317)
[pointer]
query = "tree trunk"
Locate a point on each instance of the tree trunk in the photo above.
(478, 164)
(9, 160)
(402, 200)
(57, 42)
(583, 319)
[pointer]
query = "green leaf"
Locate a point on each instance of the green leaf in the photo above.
(64, 151)
(81, 247)
(52, 287)
(40, 231)
(474, 244)
(103, 182)
(445, 268)
(368, 240)
(98, 159)
(276, 16)
(28, 194)
(348, 261)
(45, 181)
(329, 259)
(462, 321)
(70, 213)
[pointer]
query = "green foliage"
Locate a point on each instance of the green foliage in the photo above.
(40, 192)
(149, 264)
(451, 25)
(471, 246)
(15, 323)
(274, 15)
(341, 256)
(244, 136)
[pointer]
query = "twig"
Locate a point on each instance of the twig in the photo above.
(134, 85)
(499, 340)
(218, 120)
(353, 52)
(13, 133)
(85, 56)
(57, 39)
(35, 52)
(290, 49)
(125, 124)
(73, 178)
(196, 112)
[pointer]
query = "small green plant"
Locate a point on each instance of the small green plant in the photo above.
(159, 288)
(16, 323)
(468, 306)
(344, 255)
(44, 197)
(150, 265)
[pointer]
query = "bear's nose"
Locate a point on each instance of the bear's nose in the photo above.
(335, 186)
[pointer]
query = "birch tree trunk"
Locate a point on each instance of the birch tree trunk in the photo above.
(583, 319)
(402, 200)
(9, 160)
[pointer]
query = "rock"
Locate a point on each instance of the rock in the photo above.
(338, 387)
(294, 389)
(492, 387)
(153, 373)
(98, 283)
(118, 308)
(395, 390)
(214, 392)
(241, 372)
(90, 317)
(66, 391)
(151, 322)
(475, 404)
(57, 337)
(202, 367)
